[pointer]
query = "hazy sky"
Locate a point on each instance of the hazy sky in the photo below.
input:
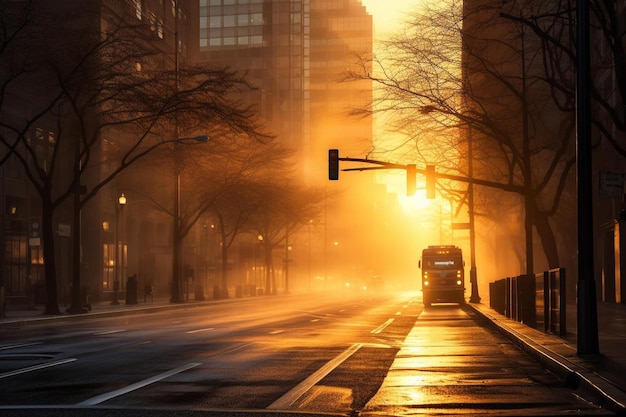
(388, 14)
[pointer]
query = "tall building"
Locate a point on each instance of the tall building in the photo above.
(167, 26)
(294, 51)
(527, 87)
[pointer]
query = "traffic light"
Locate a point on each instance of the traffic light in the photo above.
(430, 181)
(333, 164)
(410, 180)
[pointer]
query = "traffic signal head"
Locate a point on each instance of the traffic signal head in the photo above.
(430, 181)
(333, 164)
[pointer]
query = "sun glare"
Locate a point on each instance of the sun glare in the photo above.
(388, 14)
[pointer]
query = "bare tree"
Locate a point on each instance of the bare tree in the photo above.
(554, 25)
(477, 79)
(282, 207)
(239, 169)
(86, 84)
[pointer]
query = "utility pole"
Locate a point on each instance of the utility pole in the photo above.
(587, 312)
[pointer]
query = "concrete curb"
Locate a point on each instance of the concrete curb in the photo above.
(573, 375)
(122, 310)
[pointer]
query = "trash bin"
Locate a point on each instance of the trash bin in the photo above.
(131, 290)
(199, 292)
(148, 291)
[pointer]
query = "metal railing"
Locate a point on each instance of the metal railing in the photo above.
(536, 300)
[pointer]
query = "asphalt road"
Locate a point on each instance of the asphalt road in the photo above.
(279, 355)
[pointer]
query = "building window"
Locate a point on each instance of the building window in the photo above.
(138, 11)
(160, 28)
(229, 21)
(215, 21)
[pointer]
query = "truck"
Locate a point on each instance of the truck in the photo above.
(443, 275)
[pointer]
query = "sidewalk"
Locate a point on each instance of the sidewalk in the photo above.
(604, 375)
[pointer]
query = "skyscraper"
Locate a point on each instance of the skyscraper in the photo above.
(294, 51)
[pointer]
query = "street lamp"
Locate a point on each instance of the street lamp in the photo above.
(121, 202)
(474, 296)
(258, 267)
(176, 296)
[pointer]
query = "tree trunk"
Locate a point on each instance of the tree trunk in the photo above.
(548, 241)
(224, 291)
(47, 235)
(268, 269)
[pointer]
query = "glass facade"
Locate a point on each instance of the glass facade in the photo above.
(294, 51)
(231, 23)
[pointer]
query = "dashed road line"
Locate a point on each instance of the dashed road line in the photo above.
(137, 385)
(207, 329)
(36, 367)
(296, 392)
(19, 345)
(382, 327)
(109, 332)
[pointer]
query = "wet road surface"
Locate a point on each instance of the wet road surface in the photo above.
(297, 354)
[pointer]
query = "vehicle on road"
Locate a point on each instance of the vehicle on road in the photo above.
(443, 274)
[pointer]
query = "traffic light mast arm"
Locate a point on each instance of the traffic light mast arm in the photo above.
(477, 181)
(437, 175)
(384, 164)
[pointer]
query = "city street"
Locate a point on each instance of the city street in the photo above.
(311, 353)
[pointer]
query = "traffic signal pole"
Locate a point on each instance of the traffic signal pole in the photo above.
(587, 312)
(431, 177)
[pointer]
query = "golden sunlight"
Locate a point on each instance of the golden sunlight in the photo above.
(388, 15)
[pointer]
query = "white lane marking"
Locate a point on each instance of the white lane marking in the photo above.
(233, 349)
(19, 346)
(382, 327)
(315, 320)
(200, 330)
(36, 367)
(276, 331)
(98, 399)
(296, 392)
(109, 332)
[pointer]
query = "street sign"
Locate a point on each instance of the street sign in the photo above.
(611, 184)
(65, 230)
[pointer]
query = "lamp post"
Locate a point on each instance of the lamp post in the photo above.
(121, 202)
(474, 297)
(176, 296)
